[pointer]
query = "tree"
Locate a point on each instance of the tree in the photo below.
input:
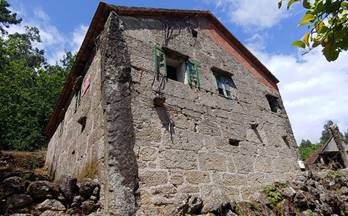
(7, 17)
(326, 134)
(345, 136)
(307, 148)
(29, 89)
(327, 21)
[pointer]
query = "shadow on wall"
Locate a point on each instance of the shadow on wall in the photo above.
(166, 121)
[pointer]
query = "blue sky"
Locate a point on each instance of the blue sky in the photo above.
(313, 90)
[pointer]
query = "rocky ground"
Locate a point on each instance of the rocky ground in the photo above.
(310, 194)
(26, 190)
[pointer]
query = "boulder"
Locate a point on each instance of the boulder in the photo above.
(18, 201)
(53, 213)
(89, 206)
(68, 187)
(213, 199)
(51, 204)
(77, 200)
(42, 190)
(10, 186)
(89, 188)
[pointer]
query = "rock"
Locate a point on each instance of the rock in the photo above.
(89, 206)
(68, 187)
(300, 200)
(288, 192)
(53, 213)
(94, 198)
(192, 205)
(87, 188)
(42, 190)
(18, 201)
(195, 205)
(74, 211)
(20, 214)
(77, 200)
(213, 199)
(51, 204)
(10, 186)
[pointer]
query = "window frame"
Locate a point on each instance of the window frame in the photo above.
(224, 81)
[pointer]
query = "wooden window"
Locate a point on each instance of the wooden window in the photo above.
(224, 82)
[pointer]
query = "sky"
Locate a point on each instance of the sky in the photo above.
(313, 90)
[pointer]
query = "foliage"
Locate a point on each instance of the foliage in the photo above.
(345, 136)
(332, 174)
(327, 21)
(6, 17)
(29, 89)
(273, 194)
(307, 148)
(326, 134)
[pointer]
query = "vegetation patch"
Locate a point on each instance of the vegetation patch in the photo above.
(273, 194)
(332, 174)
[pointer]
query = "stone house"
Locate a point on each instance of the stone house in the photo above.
(161, 104)
(327, 156)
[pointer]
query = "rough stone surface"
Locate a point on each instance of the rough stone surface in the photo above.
(17, 201)
(45, 198)
(51, 204)
(134, 148)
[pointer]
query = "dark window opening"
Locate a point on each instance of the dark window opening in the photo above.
(273, 103)
(286, 140)
(233, 142)
(171, 73)
(194, 33)
(224, 83)
(175, 65)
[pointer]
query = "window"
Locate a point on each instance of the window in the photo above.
(273, 103)
(176, 66)
(224, 82)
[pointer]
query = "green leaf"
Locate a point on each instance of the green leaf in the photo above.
(299, 43)
(280, 2)
(344, 4)
(307, 18)
(306, 4)
(330, 52)
(306, 38)
(291, 2)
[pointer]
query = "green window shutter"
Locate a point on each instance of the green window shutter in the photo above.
(193, 73)
(160, 61)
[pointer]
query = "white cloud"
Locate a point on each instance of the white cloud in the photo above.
(313, 90)
(257, 14)
(78, 36)
(54, 42)
(39, 13)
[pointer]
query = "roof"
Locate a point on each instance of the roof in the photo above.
(329, 146)
(97, 25)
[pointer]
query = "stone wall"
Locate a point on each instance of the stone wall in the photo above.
(74, 149)
(149, 159)
(183, 148)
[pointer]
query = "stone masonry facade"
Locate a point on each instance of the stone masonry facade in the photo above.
(148, 158)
